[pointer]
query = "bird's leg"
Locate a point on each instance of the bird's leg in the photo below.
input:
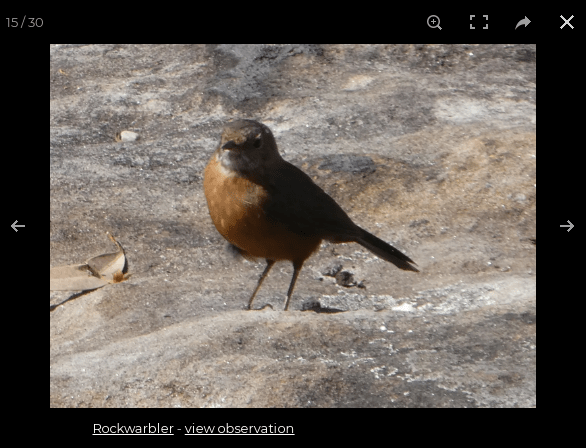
(270, 264)
(296, 271)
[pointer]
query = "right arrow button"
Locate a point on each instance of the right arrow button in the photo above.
(570, 226)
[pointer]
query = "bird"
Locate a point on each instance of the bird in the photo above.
(268, 208)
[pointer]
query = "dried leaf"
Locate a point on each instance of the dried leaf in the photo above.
(76, 277)
(94, 273)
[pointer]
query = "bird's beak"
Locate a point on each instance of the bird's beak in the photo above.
(230, 145)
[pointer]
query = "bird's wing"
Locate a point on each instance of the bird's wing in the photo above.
(296, 201)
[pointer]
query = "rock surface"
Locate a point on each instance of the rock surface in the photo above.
(430, 147)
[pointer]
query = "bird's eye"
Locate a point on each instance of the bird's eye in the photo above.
(257, 142)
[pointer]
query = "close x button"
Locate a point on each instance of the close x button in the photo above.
(567, 22)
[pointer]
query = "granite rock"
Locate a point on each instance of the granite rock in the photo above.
(430, 147)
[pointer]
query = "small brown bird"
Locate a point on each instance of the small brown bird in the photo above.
(268, 208)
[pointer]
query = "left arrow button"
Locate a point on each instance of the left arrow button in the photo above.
(14, 226)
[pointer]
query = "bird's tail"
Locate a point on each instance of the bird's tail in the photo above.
(385, 251)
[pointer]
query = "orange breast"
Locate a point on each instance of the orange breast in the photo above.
(236, 208)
